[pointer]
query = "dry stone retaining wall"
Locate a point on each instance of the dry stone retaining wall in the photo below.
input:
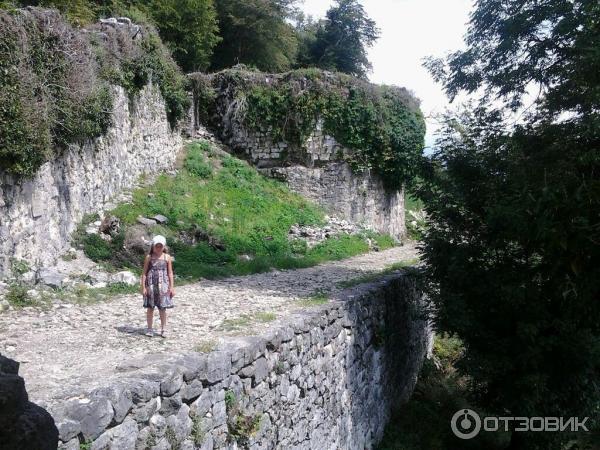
(325, 379)
(37, 216)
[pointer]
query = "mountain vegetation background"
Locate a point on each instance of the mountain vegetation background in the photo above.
(271, 35)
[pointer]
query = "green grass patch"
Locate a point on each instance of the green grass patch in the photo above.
(374, 276)
(205, 346)
(236, 324)
(414, 217)
(231, 202)
(245, 321)
(319, 297)
(265, 316)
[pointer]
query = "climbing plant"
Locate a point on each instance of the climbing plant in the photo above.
(382, 125)
(55, 83)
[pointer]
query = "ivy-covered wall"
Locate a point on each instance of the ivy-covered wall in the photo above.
(55, 82)
(83, 113)
(381, 125)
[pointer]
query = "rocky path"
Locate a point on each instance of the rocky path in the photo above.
(70, 348)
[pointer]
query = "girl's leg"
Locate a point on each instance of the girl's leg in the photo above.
(163, 318)
(149, 317)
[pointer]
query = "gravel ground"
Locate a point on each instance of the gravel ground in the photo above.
(72, 348)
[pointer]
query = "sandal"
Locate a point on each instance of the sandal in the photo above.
(163, 333)
(149, 332)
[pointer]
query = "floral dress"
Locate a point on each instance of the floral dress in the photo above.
(157, 284)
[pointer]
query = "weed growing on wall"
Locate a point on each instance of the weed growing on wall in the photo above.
(383, 125)
(55, 83)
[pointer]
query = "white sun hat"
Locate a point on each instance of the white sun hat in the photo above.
(159, 239)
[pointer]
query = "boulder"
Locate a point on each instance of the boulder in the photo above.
(94, 415)
(124, 277)
(50, 277)
(121, 437)
(146, 221)
(160, 218)
(137, 239)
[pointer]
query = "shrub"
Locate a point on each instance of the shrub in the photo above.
(17, 295)
(382, 125)
(97, 248)
(50, 94)
(55, 83)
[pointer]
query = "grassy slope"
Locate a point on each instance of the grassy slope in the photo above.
(245, 211)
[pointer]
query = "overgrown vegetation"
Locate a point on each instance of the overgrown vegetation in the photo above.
(49, 91)
(55, 83)
(382, 125)
(220, 208)
(149, 62)
(512, 239)
(17, 294)
(240, 426)
(424, 422)
(415, 217)
(272, 35)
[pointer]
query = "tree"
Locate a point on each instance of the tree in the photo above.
(513, 246)
(342, 38)
(189, 28)
(256, 33)
(306, 31)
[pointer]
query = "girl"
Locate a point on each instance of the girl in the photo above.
(157, 284)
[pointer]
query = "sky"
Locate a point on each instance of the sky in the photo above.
(410, 31)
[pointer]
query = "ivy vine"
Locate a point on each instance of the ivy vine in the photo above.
(382, 125)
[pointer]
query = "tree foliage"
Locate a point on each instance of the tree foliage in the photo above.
(189, 28)
(340, 41)
(256, 33)
(513, 245)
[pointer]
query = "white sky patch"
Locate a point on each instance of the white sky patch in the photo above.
(410, 31)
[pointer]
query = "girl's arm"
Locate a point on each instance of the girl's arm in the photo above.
(144, 272)
(171, 278)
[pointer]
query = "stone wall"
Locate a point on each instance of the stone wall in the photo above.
(23, 425)
(37, 216)
(326, 378)
(314, 169)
